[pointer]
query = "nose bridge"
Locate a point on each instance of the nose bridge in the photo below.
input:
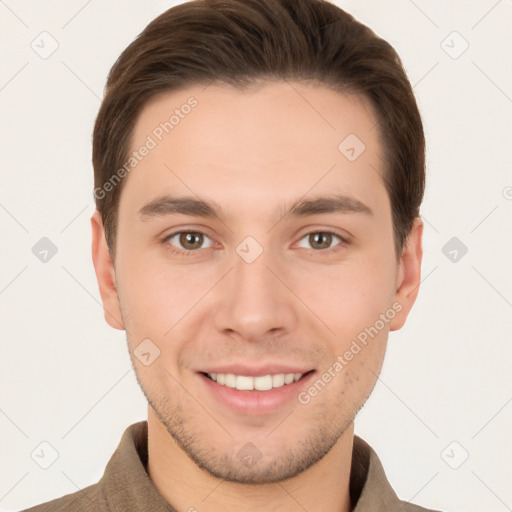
(254, 301)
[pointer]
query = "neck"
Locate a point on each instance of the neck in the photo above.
(186, 487)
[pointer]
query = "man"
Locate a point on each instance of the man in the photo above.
(259, 168)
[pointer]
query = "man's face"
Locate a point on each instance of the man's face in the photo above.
(251, 291)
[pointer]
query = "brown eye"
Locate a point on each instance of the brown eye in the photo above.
(191, 240)
(321, 240)
(187, 241)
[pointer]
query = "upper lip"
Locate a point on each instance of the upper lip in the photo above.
(256, 371)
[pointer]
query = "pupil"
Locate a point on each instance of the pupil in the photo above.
(327, 236)
(188, 240)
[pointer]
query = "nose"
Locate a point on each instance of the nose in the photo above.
(255, 301)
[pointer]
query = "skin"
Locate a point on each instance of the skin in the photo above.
(255, 152)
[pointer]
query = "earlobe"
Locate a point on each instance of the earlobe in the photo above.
(408, 275)
(105, 274)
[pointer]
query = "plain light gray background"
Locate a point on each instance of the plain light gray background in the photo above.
(445, 392)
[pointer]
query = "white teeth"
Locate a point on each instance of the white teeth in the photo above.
(263, 383)
(229, 380)
(278, 380)
(243, 383)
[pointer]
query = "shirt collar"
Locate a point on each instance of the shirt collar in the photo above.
(369, 487)
(126, 486)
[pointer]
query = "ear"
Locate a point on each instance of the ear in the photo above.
(105, 273)
(408, 275)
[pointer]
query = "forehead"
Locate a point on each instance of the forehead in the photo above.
(264, 109)
(262, 143)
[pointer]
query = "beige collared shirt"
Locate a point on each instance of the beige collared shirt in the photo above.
(126, 486)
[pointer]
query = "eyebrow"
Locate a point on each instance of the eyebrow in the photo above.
(188, 205)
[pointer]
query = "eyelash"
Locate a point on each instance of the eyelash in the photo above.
(181, 252)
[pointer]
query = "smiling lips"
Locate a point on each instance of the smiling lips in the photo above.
(247, 383)
(255, 391)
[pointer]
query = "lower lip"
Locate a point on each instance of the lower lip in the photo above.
(254, 402)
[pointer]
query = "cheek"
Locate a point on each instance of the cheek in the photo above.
(349, 297)
(158, 303)
(156, 295)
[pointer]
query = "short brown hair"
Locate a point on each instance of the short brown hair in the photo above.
(240, 42)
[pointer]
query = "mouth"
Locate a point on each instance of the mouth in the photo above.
(260, 383)
(254, 395)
